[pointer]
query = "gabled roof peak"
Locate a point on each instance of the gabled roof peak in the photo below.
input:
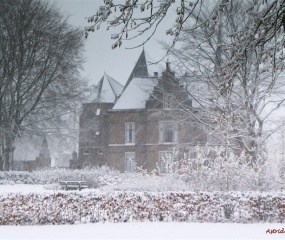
(108, 89)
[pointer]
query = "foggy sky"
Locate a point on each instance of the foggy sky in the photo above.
(99, 56)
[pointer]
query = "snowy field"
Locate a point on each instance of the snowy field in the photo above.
(145, 230)
(26, 188)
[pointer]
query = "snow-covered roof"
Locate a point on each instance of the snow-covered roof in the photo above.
(140, 84)
(107, 89)
(136, 94)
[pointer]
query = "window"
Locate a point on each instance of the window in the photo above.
(167, 162)
(129, 132)
(130, 161)
(168, 101)
(86, 152)
(167, 132)
(86, 165)
(98, 111)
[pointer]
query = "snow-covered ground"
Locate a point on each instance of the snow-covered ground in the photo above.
(27, 188)
(144, 230)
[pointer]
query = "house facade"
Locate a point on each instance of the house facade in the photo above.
(149, 123)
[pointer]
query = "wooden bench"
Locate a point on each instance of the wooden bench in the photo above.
(73, 185)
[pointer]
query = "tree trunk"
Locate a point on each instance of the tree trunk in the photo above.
(7, 150)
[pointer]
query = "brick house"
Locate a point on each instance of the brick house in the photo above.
(144, 124)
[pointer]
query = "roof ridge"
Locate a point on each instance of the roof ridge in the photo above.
(108, 89)
(99, 85)
(112, 81)
(105, 74)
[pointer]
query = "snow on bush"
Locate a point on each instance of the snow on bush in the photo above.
(93, 177)
(97, 206)
(219, 169)
(102, 178)
(212, 169)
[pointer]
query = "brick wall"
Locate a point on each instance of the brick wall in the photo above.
(93, 135)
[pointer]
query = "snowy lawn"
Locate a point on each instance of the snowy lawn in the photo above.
(26, 188)
(144, 230)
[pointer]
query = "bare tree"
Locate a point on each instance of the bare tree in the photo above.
(237, 86)
(237, 47)
(135, 18)
(40, 55)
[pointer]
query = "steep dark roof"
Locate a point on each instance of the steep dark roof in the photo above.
(140, 69)
(108, 89)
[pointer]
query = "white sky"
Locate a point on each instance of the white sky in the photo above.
(99, 56)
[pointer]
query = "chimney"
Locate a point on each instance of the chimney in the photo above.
(168, 71)
(168, 66)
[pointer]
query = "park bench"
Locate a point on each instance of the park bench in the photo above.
(73, 185)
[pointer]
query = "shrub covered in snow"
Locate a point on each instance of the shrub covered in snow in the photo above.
(212, 169)
(218, 169)
(93, 177)
(12, 177)
(98, 206)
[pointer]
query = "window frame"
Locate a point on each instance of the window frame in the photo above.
(164, 136)
(130, 166)
(84, 151)
(131, 141)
